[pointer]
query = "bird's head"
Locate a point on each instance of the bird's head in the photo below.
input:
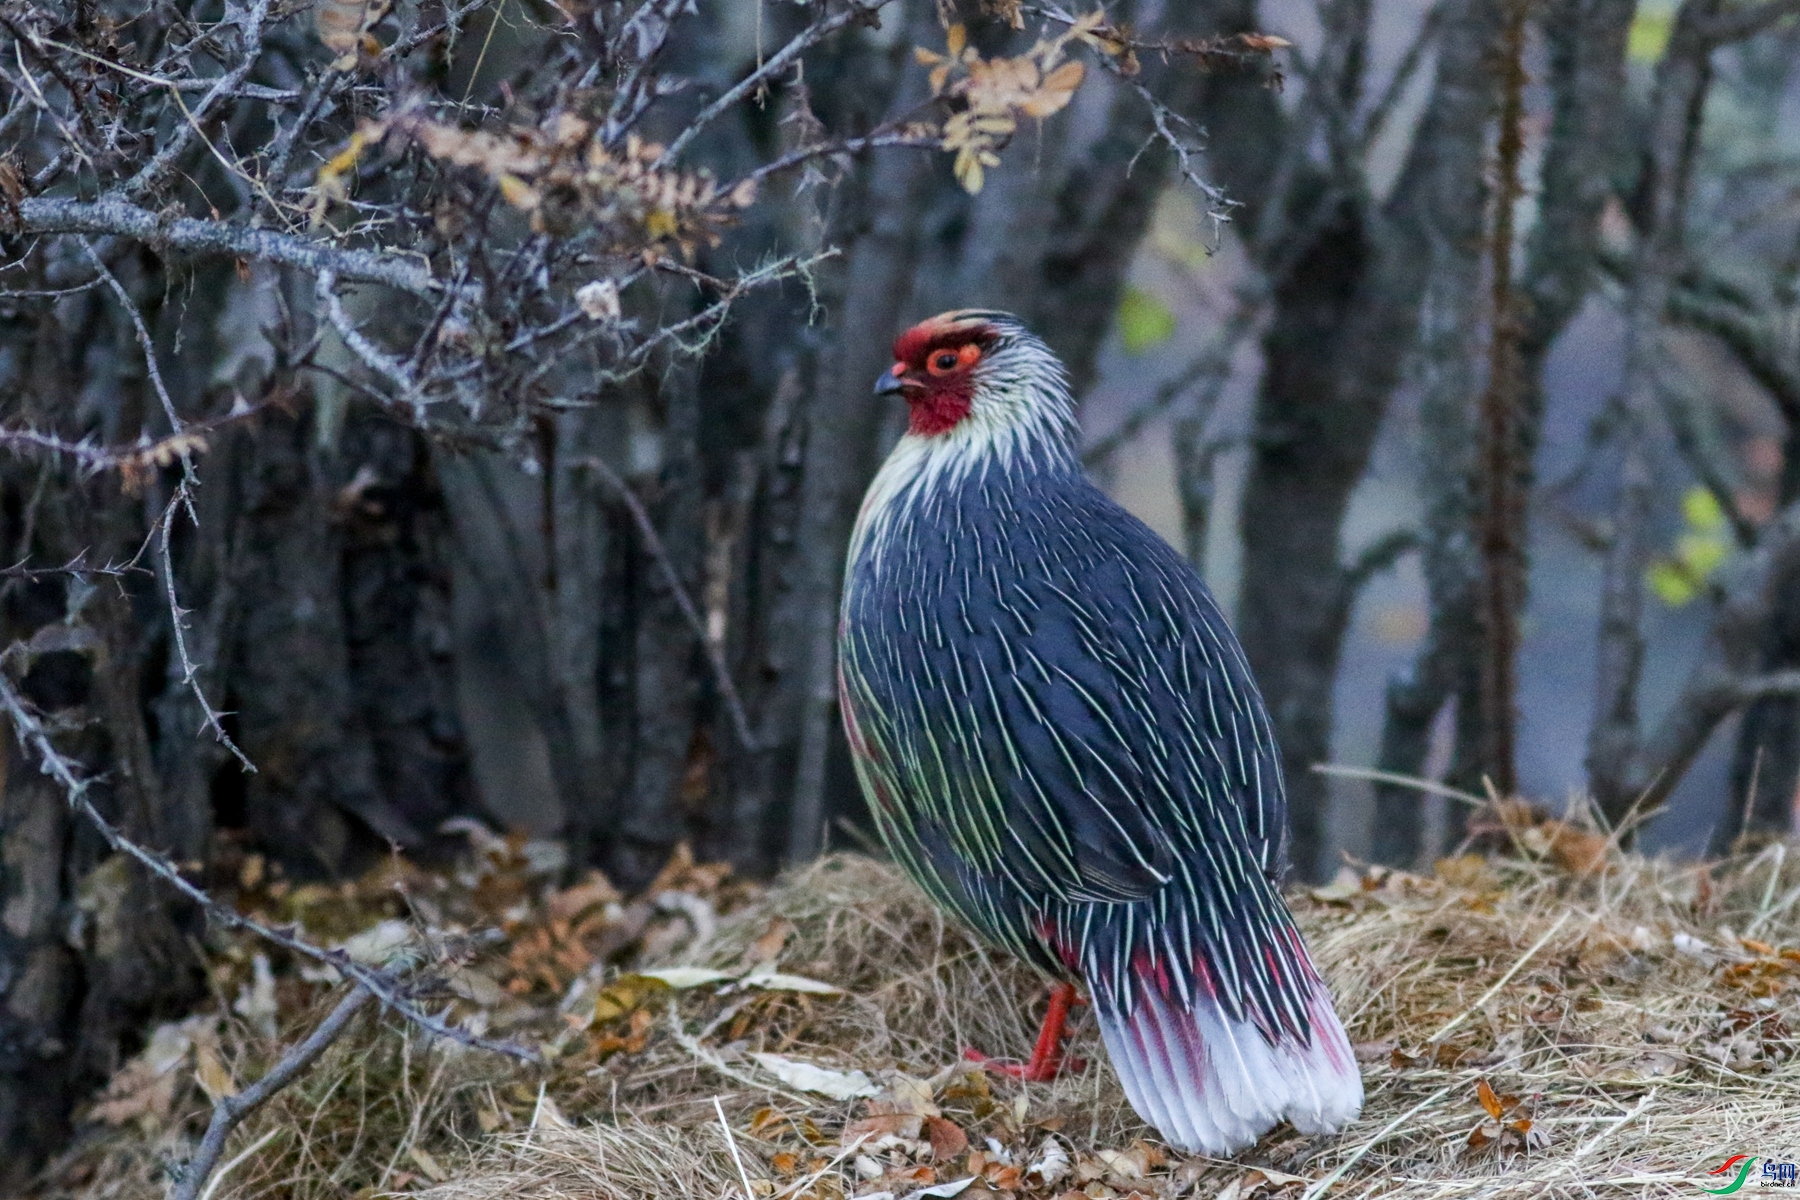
(973, 368)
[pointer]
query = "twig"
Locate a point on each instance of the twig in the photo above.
(855, 145)
(646, 32)
(1629, 1115)
(708, 1058)
(1384, 106)
(230, 1111)
(190, 677)
(775, 64)
(372, 356)
(653, 543)
(1209, 369)
(731, 1141)
(1398, 780)
(1318, 1189)
(1502, 585)
(143, 336)
(152, 172)
(1738, 24)
(181, 499)
(75, 566)
(238, 1160)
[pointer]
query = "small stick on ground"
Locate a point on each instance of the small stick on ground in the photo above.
(230, 1111)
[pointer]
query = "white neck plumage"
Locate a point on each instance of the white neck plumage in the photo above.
(1021, 418)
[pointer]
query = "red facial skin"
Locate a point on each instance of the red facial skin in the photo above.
(935, 363)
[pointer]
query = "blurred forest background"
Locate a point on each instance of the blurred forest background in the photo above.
(455, 410)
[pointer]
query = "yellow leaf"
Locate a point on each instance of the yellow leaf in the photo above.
(624, 996)
(968, 173)
(518, 193)
(938, 77)
(215, 1080)
(956, 38)
(1700, 553)
(926, 58)
(1649, 34)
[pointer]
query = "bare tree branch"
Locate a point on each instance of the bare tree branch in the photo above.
(231, 1111)
(193, 236)
(250, 25)
(1682, 81)
(854, 11)
(1727, 675)
(653, 543)
(1737, 24)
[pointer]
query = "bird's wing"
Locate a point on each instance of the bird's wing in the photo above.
(1130, 693)
(1055, 701)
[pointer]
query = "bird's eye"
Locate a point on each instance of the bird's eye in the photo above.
(942, 362)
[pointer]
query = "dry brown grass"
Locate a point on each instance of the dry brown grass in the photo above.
(1644, 1016)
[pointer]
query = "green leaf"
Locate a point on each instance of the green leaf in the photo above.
(1144, 321)
(1702, 511)
(1671, 582)
(1649, 35)
(1701, 553)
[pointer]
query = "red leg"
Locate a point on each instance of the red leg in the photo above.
(1046, 1057)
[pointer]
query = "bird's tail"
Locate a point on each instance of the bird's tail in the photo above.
(1212, 1083)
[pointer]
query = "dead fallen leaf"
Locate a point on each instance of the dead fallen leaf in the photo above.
(427, 1163)
(1260, 1182)
(947, 1138)
(211, 1073)
(896, 1124)
(810, 1077)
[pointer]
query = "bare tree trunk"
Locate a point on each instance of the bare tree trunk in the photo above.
(340, 669)
(1330, 368)
(39, 972)
(1682, 80)
(665, 652)
(1765, 765)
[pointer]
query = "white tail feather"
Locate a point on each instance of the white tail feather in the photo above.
(1214, 1085)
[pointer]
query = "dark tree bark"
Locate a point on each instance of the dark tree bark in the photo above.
(1331, 365)
(1765, 764)
(39, 972)
(340, 666)
(1586, 41)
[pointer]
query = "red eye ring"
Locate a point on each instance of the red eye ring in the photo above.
(942, 362)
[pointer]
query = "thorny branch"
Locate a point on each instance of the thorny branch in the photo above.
(394, 993)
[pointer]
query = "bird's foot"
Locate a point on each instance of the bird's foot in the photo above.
(1047, 1061)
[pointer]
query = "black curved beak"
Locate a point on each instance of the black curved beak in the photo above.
(889, 384)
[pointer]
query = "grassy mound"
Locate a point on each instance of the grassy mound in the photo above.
(1524, 1030)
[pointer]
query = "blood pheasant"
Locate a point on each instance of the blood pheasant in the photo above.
(1060, 741)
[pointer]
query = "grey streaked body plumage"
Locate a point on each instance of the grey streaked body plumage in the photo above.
(1060, 740)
